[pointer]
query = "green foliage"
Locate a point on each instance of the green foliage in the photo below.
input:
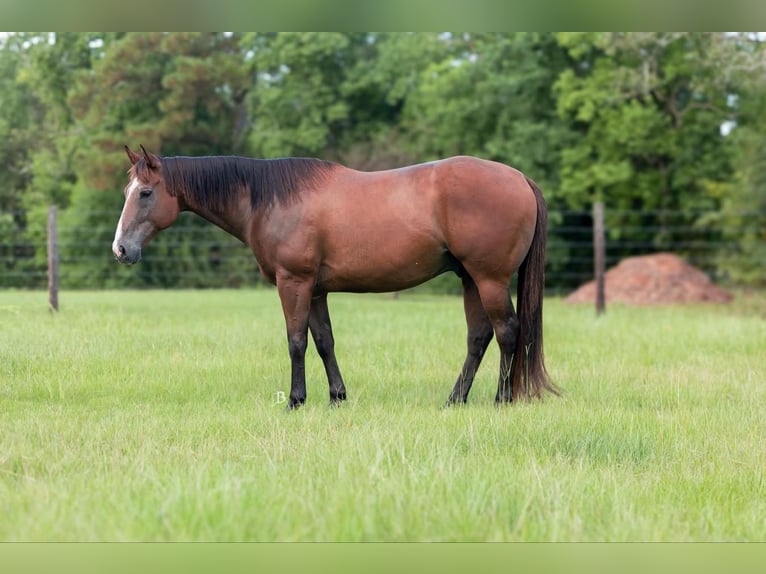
(17, 137)
(648, 110)
(178, 94)
(489, 95)
(297, 100)
(742, 217)
(16, 129)
(633, 119)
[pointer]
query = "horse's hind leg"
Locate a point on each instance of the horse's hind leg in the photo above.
(321, 331)
(478, 338)
(497, 303)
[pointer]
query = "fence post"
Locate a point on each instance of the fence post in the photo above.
(53, 260)
(599, 255)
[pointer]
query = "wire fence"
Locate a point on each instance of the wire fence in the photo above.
(195, 254)
(571, 250)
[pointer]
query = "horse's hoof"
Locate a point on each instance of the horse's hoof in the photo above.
(337, 399)
(338, 402)
(293, 406)
(451, 402)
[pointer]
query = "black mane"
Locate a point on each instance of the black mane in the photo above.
(214, 182)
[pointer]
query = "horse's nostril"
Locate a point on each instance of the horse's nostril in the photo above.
(121, 249)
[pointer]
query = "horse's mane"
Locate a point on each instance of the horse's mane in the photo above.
(215, 182)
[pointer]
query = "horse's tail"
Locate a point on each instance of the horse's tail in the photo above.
(528, 374)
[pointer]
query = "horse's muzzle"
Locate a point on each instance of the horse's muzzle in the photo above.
(125, 254)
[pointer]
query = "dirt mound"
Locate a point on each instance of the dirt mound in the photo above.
(653, 280)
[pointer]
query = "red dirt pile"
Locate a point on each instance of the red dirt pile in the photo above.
(657, 279)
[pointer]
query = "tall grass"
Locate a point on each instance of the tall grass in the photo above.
(157, 416)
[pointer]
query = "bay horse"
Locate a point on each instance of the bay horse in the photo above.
(317, 227)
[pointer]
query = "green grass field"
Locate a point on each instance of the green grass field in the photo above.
(156, 416)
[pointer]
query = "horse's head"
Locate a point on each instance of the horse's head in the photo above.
(149, 207)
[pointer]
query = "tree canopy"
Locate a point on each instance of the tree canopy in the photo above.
(648, 123)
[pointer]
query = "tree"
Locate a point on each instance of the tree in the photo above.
(297, 103)
(741, 217)
(648, 110)
(490, 95)
(16, 136)
(38, 72)
(178, 94)
(633, 119)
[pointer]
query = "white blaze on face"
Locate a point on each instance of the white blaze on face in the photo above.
(132, 189)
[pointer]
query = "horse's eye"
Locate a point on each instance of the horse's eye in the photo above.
(144, 193)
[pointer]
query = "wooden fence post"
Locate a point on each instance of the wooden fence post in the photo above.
(599, 255)
(53, 260)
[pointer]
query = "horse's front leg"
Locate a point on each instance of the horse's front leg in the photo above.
(321, 330)
(295, 295)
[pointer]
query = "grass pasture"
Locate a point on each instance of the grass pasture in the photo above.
(156, 416)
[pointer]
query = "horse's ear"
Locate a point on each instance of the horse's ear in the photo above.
(134, 157)
(152, 161)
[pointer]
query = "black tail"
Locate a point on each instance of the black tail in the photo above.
(528, 374)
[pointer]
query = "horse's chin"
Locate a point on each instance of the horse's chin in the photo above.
(128, 259)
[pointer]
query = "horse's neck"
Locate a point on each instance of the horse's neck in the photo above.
(233, 220)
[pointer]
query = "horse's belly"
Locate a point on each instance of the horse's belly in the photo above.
(383, 271)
